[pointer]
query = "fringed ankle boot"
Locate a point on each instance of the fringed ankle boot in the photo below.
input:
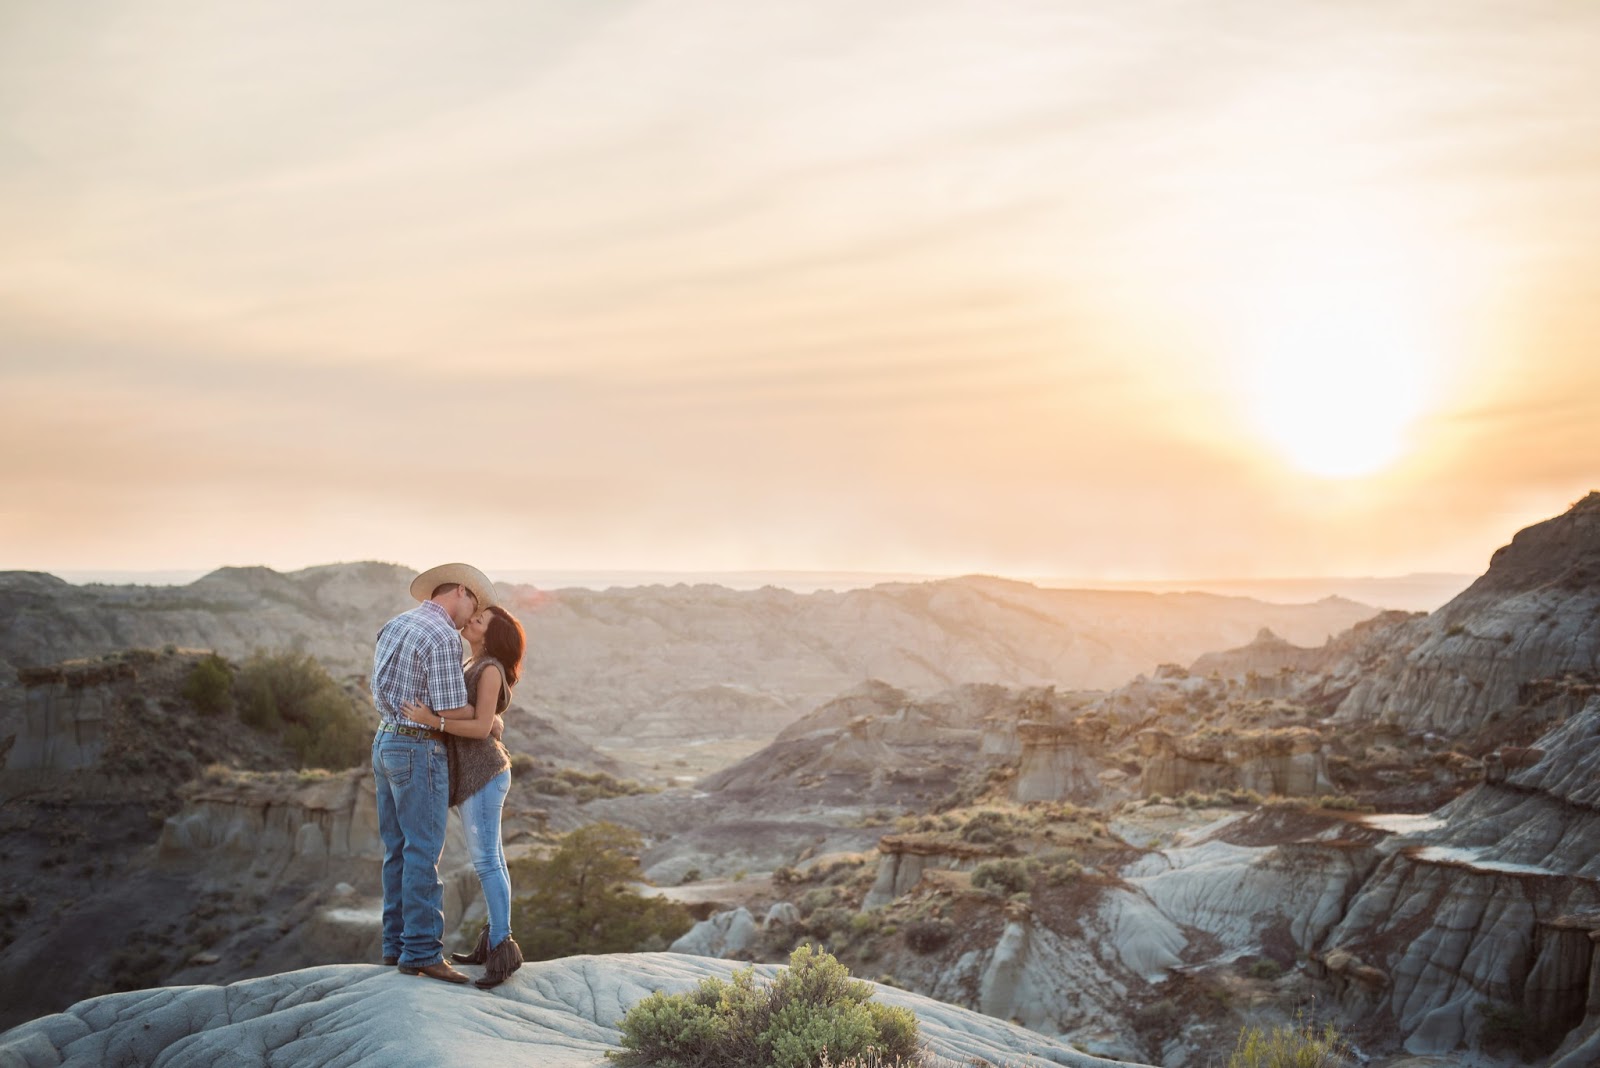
(503, 960)
(480, 952)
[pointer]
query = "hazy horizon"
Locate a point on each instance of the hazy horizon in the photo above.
(1151, 289)
(1411, 592)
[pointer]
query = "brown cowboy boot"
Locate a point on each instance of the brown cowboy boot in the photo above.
(439, 970)
(480, 952)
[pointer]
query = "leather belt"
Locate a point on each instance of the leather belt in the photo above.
(412, 732)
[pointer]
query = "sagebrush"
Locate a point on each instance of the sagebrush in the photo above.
(809, 1015)
(1298, 1045)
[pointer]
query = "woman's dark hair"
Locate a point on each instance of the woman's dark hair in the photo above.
(506, 641)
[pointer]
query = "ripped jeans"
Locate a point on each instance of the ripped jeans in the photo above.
(480, 818)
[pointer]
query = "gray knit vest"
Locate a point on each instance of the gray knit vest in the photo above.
(474, 761)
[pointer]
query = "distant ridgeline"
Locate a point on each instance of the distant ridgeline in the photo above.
(606, 662)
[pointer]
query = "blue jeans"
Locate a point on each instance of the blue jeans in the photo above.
(413, 783)
(480, 817)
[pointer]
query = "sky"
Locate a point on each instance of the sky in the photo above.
(1143, 290)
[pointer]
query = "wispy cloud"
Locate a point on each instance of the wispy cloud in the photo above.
(896, 286)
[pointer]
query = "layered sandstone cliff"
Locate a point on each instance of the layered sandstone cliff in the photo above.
(1532, 615)
(1484, 912)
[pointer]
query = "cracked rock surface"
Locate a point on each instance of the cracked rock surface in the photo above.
(552, 1014)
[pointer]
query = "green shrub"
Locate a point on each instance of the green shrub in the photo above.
(816, 898)
(828, 921)
(1265, 968)
(209, 687)
(925, 936)
(582, 901)
(1061, 869)
(1340, 803)
(987, 827)
(811, 1011)
(294, 697)
(586, 785)
(1156, 1016)
(1297, 1045)
(865, 924)
(1005, 876)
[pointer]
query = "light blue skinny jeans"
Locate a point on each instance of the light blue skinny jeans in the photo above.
(480, 818)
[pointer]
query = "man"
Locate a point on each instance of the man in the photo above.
(418, 658)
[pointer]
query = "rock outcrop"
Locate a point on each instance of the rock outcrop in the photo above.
(904, 858)
(720, 848)
(119, 717)
(255, 871)
(1276, 900)
(331, 612)
(729, 934)
(65, 714)
(1060, 761)
(1268, 654)
(1532, 615)
(551, 1014)
(1288, 762)
(1487, 909)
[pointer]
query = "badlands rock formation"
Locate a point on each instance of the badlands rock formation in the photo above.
(1063, 761)
(674, 664)
(602, 651)
(1474, 928)
(1534, 614)
(874, 744)
(1487, 911)
(552, 1014)
(1283, 761)
(1139, 936)
(904, 858)
(331, 612)
(254, 872)
(144, 842)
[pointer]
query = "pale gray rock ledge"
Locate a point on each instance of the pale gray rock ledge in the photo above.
(552, 1014)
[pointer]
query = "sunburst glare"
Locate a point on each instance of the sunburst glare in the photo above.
(1339, 364)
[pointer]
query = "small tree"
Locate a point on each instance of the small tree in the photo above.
(812, 1011)
(581, 902)
(209, 687)
(292, 695)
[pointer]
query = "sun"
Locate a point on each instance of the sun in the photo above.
(1336, 369)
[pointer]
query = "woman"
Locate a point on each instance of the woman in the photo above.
(480, 776)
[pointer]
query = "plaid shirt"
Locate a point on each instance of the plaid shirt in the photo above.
(418, 659)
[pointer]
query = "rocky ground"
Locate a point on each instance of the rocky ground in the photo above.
(145, 842)
(1420, 866)
(554, 1014)
(1392, 829)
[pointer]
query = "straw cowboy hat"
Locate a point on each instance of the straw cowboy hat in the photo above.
(423, 585)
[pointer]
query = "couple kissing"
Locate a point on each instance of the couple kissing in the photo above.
(438, 747)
